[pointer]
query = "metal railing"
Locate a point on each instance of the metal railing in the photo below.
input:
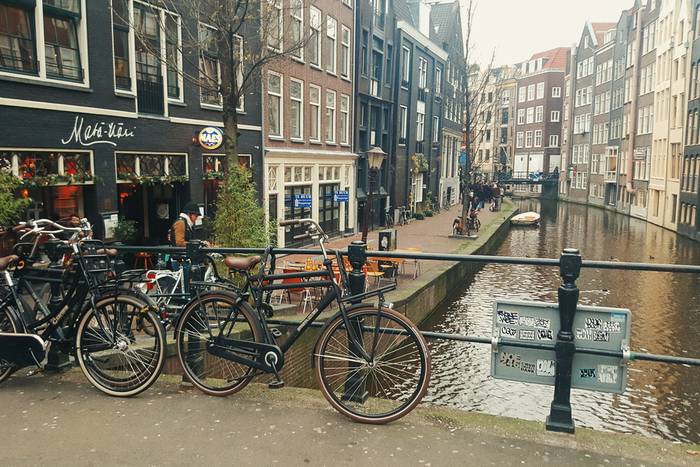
(570, 264)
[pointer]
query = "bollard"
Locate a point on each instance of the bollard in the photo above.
(559, 418)
(357, 256)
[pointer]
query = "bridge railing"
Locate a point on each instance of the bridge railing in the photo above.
(570, 264)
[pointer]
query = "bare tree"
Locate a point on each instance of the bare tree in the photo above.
(224, 46)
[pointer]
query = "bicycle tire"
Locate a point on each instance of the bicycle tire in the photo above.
(194, 330)
(8, 325)
(131, 363)
(340, 381)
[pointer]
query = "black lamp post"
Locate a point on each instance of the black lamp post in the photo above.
(375, 158)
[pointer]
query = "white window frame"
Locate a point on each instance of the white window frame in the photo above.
(299, 53)
(539, 114)
(555, 116)
(438, 80)
(522, 94)
(277, 5)
(333, 124)
(528, 139)
(131, 44)
(403, 121)
(315, 19)
(436, 129)
(280, 96)
(405, 65)
(521, 117)
(553, 141)
(530, 115)
(345, 128)
(202, 104)
(556, 92)
(420, 121)
(531, 93)
(315, 114)
(540, 90)
(422, 73)
(332, 38)
(300, 101)
(537, 142)
(346, 66)
(519, 139)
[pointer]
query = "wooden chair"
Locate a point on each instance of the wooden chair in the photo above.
(374, 272)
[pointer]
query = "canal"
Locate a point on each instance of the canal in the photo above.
(661, 400)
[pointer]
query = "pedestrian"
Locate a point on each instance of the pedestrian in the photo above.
(182, 230)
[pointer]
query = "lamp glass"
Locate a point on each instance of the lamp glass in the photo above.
(375, 157)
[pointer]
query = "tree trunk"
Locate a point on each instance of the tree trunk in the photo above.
(231, 134)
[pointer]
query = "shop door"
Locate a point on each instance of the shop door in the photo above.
(153, 208)
(293, 211)
(328, 209)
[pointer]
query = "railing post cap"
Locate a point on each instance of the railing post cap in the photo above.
(571, 251)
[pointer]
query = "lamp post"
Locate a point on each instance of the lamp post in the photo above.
(375, 158)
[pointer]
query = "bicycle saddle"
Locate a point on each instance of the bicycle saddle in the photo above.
(241, 263)
(5, 261)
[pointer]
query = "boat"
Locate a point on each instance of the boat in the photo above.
(526, 218)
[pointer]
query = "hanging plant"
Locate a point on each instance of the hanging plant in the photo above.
(214, 175)
(420, 163)
(152, 180)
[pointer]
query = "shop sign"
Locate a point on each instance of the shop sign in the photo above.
(211, 138)
(594, 328)
(97, 133)
(302, 200)
(341, 196)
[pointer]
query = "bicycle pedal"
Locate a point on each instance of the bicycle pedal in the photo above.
(275, 332)
(279, 384)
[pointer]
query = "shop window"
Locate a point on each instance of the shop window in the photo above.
(294, 209)
(49, 168)
(17, 49)
(151, 168)
(328, 209)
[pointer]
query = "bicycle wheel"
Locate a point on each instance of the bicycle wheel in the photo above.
(385, 388)
(215, 315)
(115, 351)
(7, 326)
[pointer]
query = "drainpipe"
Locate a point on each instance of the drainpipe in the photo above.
(633, 109)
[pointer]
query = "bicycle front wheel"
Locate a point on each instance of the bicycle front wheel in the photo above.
(205, 324)
(120, 345)
(8, 325)
(384, 388)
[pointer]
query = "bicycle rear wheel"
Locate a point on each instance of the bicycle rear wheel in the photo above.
(8, 325)
(385, 388)
(120, 345)
(215, 315)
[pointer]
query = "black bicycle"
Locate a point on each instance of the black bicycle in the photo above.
(371, 363)
(83, 313)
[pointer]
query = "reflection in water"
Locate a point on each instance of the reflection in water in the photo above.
(661, 400)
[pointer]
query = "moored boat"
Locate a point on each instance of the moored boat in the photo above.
(526, 218)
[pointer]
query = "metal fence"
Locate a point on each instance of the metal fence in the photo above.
(569, 263)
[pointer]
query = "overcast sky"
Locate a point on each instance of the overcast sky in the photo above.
(516, 29)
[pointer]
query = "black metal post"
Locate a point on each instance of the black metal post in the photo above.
(368, 205)
(354, 388)
(559, 418)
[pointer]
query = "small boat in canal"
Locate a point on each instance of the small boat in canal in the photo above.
(526, 218)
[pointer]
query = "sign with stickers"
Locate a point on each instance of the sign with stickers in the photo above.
(594, 328)
(341, 196)
(302, 200)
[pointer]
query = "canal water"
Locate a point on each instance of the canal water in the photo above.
(661, 400)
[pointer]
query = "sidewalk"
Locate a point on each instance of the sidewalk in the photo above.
(63, 421)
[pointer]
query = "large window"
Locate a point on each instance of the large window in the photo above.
(438, 80)
(61, 43)
(345, 53)
(120, 36)
(210, 72)
(344, 119)
(274, 24)
(296, 26)
(330, 48)
(422, 73)
(315, 113)
(330, 116)
(403, 121)
(17, 50)
(420, 121)
(405, 65)
(436, 128)
(296, 94)
(173, 56)
(315, 39)
(274, 104)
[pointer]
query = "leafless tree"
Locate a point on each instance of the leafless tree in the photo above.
(224, 46)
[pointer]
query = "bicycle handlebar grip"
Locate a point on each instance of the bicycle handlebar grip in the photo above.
(302, 236)
(289, 222)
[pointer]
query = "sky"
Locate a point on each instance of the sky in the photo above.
(516, 29)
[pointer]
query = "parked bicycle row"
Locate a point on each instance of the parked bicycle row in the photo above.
(63, 290)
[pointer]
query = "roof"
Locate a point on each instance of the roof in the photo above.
(441, 15)
(403, 12)
(556, 58)
(599, 29)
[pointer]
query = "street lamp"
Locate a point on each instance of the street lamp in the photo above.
(375, 157)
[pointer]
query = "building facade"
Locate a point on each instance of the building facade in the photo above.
(98, 121)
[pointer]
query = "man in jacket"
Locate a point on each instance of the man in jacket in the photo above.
(182, 230)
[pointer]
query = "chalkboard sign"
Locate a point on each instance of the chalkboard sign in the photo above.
(594, 328)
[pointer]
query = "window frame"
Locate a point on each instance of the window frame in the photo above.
(344, 125)
(333, 128)
(334, 49)
(300, 102)
(315, 27)
(403, 123)
(280, 98)
(315, 114)
(345, 52)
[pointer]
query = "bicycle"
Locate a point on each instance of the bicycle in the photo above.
(404, 216)
(86, 315)
(388, 218)
(371, 363)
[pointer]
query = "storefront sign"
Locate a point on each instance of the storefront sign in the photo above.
(97, 133)
(341, 196)
(211, 138)
(302, 200)
(594, 328)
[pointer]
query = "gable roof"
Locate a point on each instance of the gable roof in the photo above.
(556, 58)
(599, 30)
(441, 17)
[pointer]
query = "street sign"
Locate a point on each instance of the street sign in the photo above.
(594, 328)
(302, 200)
(341, 196)
(463, 158)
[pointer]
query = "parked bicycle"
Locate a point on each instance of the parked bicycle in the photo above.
(404, 215)
(86, 314)
(371, 363)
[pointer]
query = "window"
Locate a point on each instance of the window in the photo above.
(436, 128)
(17, 51)
(345, 53)
(521, 94)
(405, 65)
(330, 49)
(274, 21)
(274, 105)
(344, 119)
(530, 115)
(556, 92)
(296, 94)
(315, 113)
(403, 120)
(528, 139)
(422, 73)
(554, 116)
(173, 58)
(438, 80)
(420, 121)
(315, 39)
(120, 38)
(330, 116)
(519, 139)
(61, 42)
(531, 92)
(538, 138)
(540, 90)
(539, 113)
(521, 116)
(210, 73)
(296, 26)
(553, 141)
(389, 65)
